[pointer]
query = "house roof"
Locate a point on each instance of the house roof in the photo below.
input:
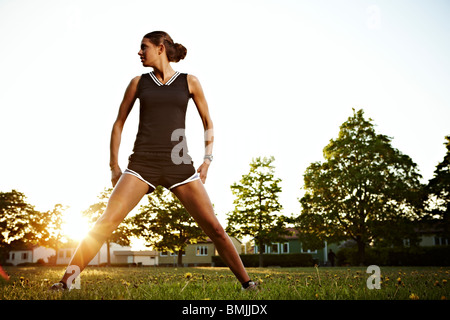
(23, 247)
(293, 235)
(208, 240)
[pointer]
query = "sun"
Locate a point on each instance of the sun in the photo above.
(74, 225)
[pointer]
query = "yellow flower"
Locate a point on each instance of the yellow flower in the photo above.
(399, 280)
(188, 275)
(443, 298)
(414, 296)
(444, 281)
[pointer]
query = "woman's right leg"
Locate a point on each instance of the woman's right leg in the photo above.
(127, 193)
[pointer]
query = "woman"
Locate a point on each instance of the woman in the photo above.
(159, 157)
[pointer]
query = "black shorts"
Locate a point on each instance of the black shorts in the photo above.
(158, 169)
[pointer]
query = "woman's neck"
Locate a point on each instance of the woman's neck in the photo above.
(164, 73)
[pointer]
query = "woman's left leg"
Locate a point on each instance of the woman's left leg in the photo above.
(196, 201)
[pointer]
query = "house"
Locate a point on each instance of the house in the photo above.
(430, 235)
(293, 245)
(29, 254)
(198, 254)
(65, 254)
(144, 258)
(118, 255)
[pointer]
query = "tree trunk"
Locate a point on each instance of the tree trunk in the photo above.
(180, 258)
(361, 252)
(108, 254)
(261, 258)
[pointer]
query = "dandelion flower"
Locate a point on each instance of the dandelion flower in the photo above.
(188, 275)
(414, 296)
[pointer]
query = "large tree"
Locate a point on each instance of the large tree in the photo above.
(165, 224)
(439, 192)
(365, 189)
(257, 208)
(21, 223)
(122, 235)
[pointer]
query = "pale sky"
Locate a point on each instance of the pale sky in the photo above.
(280, 78)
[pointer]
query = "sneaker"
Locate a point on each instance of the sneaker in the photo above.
(59, 286)
(252, 286)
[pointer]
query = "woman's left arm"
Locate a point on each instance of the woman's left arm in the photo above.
(197, 94)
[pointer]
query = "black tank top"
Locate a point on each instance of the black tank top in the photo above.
(162, 114)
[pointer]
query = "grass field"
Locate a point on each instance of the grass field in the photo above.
(157, 283)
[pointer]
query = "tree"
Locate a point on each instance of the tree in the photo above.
(21, 223)
(362, 190)
(47, 226)
(122, 234)
(438, 189)
(165, 224)
(257, 209)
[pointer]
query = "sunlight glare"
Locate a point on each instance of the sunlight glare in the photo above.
(75, 226)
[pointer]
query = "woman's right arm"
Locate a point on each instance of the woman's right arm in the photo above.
(124, 110)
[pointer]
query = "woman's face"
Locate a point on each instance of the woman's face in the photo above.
(148, 53)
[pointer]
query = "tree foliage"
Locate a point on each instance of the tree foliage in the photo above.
(365, 189)
(21, 223)
(165, 224)
(257, 208)
(439, 192)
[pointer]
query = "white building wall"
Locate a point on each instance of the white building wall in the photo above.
(20, 256)
(42, 253)
(64, 255)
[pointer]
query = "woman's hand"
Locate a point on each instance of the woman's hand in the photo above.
(203, 170)
(115, 175)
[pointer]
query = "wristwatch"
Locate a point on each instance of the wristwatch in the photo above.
(209, 157)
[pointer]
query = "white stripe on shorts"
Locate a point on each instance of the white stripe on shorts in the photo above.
(195, 176)
(137, 175)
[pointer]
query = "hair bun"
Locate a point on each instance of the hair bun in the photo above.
(180, 52)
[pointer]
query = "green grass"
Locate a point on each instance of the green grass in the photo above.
(157, 283)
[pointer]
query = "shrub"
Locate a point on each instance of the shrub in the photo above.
(281, 260)
(413, 256)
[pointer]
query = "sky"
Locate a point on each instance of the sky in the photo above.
(280, 77)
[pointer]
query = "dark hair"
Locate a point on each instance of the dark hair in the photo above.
(175, 51)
